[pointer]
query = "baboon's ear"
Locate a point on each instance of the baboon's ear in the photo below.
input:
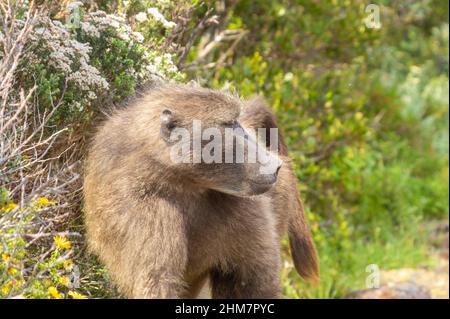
(167, 124)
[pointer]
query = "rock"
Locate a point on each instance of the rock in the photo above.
(417, 283)
(402, 290)
(436, 279)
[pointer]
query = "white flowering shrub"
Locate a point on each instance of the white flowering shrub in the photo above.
(121, 55)
(60, 67)
(87, 63)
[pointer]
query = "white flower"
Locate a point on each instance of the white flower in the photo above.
(114, 24)
(169, 24)
(151, 68)
(288, 77)
(90, 29)
(92, 95)
(158, 60)
(138, 36)
(74, 5)
(160, 18)
(124, 36)
(141, 17)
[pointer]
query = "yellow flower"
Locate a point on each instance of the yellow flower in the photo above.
(6, 258)
(43, 202)
(12, 270)
(64, 280)
(61, 242)
(7, 288)
(9, 207)
(76, 295)
(54, 293)
(68, 264)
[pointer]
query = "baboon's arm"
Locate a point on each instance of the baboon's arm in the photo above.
(158, 241)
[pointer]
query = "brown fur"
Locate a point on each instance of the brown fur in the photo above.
(162, 228)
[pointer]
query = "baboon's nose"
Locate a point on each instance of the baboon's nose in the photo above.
(279, 163)
(278, 168)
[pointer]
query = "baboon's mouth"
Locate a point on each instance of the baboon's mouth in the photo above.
(268, 180)
(262, 185)
(258, 189)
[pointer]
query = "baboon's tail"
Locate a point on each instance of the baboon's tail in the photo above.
(257, 115)
(302, 246)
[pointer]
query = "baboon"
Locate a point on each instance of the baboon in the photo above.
(163, 229)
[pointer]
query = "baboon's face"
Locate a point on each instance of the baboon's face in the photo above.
(220, 153)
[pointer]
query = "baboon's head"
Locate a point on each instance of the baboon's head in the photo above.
(204, 141)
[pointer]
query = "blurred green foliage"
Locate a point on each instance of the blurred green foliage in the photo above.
(365, 115)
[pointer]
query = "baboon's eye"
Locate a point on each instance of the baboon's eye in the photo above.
(171, 125)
